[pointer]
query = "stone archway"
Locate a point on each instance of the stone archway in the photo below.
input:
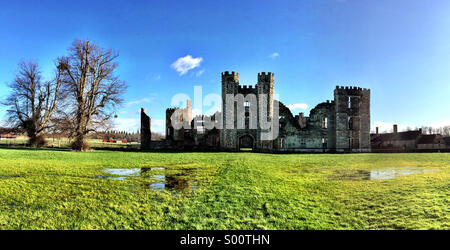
(246, 142)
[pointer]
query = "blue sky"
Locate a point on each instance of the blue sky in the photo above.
(399, 49)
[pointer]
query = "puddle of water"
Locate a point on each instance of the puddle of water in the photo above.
(123, 171)
(393, 173)
(157, 186)
(165, 181)
(158, 177)
(131, 171)
(171, 182)
(379, 174)
(110, 177)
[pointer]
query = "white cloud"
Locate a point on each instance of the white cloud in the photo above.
(274, 55)
(184, 64)
(297, 106)
(200, 72)
(136, 102)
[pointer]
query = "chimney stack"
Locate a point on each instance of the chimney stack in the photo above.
(188, 104)
(395, 128)
(377, 130)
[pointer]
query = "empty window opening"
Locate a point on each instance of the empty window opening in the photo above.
(324, 143)
(324, 122)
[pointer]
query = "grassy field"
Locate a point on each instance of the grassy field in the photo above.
(59, 189)
(22, 141)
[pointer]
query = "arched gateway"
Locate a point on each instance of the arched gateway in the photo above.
(246, 142)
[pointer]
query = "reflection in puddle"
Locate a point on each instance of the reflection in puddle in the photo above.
(181, 181)
(123, 171)
(393, 173)
(171, 182)
(110, 177)
(156, 186)
(158, 177)
(379, 174)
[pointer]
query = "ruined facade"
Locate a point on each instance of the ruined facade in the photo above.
(340, 125)
(146, 133)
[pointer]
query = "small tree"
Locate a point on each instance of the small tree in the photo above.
(32, 102)
(92, 88)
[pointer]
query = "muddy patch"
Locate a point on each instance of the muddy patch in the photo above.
(378, 174)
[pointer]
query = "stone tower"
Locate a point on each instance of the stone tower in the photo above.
(230, 85)
(231, 137)
(265, 88)
(146, 134)
(352, 106)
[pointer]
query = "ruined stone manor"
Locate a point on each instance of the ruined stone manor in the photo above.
(339, 125)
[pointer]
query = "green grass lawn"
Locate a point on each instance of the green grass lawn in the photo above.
(57, 189)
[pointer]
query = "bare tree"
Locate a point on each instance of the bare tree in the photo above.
(32, 102)
(92, 88)
(446, 131)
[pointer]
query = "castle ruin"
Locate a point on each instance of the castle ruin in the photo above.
(339, 125)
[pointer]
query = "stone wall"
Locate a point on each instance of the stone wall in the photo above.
(146, 134)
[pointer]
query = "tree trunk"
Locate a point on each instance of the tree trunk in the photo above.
(36, 140)
(80, 144)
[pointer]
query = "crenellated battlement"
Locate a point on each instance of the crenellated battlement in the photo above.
(245, 87)
(351, 90)
(263, 77)
(233, 76)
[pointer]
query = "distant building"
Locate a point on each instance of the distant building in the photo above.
(431, 142)
(447, 142)
(6, 136)
(406, 141)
